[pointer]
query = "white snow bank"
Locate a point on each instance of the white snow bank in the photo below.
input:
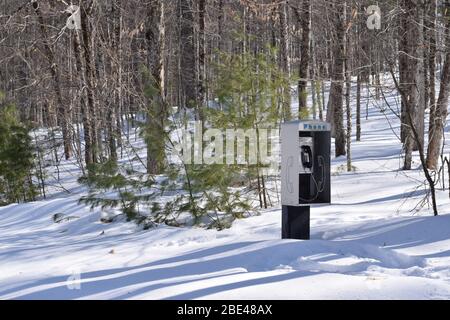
(368, 244)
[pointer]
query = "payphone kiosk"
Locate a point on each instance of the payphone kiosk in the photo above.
(305, 174)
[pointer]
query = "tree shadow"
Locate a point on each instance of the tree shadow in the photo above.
(220, 261)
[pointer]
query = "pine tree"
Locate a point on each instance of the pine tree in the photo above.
(119, 186)
(248, 90)
(16, 158)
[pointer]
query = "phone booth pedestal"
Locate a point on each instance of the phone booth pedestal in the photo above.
(295, 223)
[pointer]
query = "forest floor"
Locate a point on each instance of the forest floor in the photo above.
(370, 243)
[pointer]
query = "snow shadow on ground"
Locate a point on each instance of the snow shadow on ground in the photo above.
(274, 261)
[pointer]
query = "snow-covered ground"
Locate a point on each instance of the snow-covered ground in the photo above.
(369, 243)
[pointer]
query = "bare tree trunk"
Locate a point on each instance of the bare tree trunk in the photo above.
(358, 107)
(410, 76)
(336, 103)
(284, 57)
(320, 97)
(421, 83)
(403, 66)
(85, 112)
(348, 86)
(284, 37)
(220, 26)
(304, 20)
(432, 54)
(201, 86)
(89, 69)
(113, 113)
(314, 99)
(187, 54)
(155, 37)
(63, 114)
(431, 29)
(440, 113)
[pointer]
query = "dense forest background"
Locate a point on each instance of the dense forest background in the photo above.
(144, 61)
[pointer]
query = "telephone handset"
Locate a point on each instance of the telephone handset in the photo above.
(307, 157)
